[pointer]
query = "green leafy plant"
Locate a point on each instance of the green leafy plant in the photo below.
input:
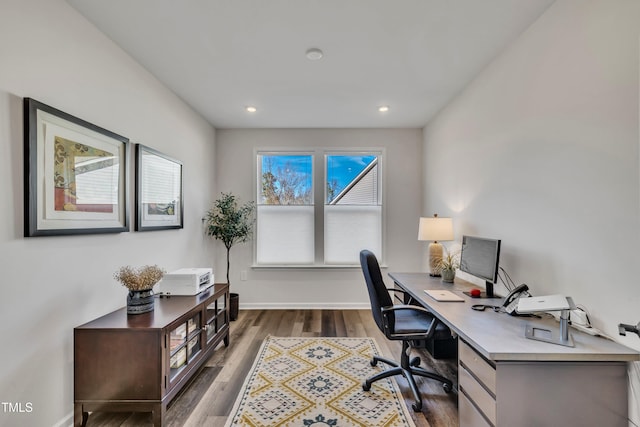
(450, 260)
(230, 222)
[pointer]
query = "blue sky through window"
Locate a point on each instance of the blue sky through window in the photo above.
(341, 170)
(291, 179)
(300, 164)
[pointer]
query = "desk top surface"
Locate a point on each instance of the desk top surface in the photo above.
(499, 336)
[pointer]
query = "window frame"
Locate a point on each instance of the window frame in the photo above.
(319, 175)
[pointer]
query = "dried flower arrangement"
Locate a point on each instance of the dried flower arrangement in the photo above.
(139, 279)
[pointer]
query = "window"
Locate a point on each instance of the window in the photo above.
(318, 208)
(353, 208)
(285, 228)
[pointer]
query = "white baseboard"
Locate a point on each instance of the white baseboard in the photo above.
(67, 421)
(306, 306)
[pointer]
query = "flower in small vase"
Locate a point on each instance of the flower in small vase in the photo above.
(448, 264)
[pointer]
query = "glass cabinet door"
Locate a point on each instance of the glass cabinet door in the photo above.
(216, 316)
(184, 345)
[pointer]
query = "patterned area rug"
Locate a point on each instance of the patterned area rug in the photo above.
(317, 382)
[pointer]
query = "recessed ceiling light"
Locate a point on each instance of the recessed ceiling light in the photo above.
(383, 108)
(250, 109)
(314, 54)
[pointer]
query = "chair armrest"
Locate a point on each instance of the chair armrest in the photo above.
(398, 307)
(390, 329)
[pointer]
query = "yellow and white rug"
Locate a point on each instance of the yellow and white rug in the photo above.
(317, 382)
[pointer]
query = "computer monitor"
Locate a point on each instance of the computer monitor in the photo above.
(480, 257)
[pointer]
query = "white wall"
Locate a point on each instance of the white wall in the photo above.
(52, 284)
(541, 150)
(323, 287)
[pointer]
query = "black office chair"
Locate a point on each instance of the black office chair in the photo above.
(400, 322)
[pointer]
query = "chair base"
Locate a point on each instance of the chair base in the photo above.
(408, 369)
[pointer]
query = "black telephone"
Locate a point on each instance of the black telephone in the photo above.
(511, 300)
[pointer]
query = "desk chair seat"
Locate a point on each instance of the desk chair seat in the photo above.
(416, 322)
(406, 323)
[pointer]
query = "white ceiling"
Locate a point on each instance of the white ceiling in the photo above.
(222, 55)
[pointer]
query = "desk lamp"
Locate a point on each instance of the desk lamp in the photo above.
(434, 229)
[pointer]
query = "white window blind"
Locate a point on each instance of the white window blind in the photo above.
(350, 228)
(285, 235)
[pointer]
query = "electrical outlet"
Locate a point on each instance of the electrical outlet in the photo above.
(243, 275)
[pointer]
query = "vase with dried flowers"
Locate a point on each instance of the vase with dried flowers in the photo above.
(140, 283)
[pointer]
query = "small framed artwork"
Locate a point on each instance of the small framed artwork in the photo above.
(75, 175)
(159, 204)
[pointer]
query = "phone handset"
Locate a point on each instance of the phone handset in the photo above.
(511, 300)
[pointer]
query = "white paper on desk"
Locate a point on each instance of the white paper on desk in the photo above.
(443, 295)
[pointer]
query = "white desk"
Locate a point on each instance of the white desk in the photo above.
(507, 380)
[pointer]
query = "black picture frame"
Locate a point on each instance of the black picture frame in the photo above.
(75, 175)
(159, 191)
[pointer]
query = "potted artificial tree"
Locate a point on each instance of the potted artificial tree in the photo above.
(230, 223)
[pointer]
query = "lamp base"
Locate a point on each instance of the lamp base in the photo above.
(435, 258)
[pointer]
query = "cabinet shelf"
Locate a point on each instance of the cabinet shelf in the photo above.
(140, 362)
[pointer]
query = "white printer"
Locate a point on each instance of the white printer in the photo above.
(186, 281)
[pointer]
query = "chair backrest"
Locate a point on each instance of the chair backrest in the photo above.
(378, 293)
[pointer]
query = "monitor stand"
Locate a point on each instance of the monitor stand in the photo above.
(488, 291)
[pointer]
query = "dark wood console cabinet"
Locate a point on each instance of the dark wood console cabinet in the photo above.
(140, 362)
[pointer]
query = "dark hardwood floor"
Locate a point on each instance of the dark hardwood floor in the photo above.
(208, 400)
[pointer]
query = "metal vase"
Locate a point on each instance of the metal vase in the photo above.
(139, 302)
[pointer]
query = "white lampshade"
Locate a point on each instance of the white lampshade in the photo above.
(435, 228)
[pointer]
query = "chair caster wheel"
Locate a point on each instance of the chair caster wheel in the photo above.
(448, 388)
(417, 406)
(373, 362)
(415, 361)
(366, 386)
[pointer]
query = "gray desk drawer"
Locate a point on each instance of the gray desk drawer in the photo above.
(469, 415)
(480, 368)
(477, 394)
